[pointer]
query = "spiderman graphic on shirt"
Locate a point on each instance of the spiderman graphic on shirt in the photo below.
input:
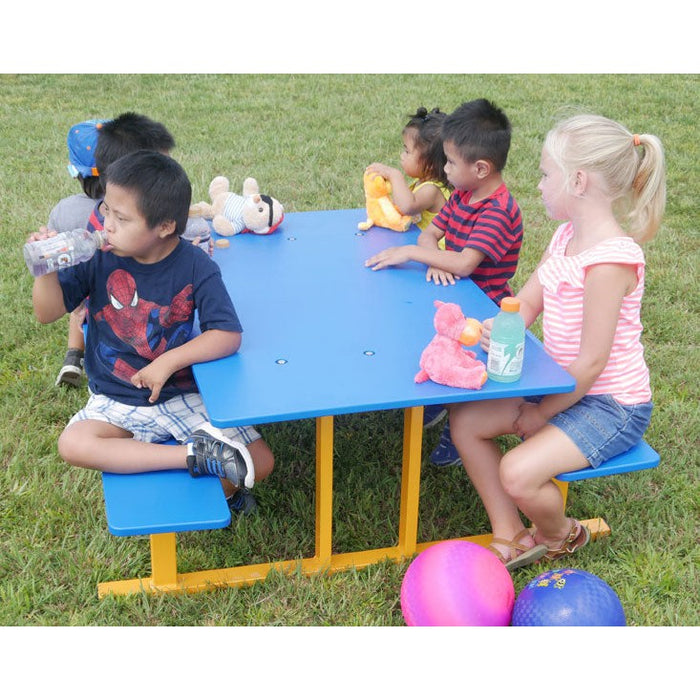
(147, 327)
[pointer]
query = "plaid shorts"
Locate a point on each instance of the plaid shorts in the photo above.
(176, 418)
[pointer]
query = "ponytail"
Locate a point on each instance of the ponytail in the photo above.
(648, 190)
(635, 180)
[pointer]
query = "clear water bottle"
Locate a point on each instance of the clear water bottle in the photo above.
(197, 226)
(507, 345)
(62, 250)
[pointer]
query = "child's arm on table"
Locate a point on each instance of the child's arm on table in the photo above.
(444, 266)
(604, 288)
(209, 345)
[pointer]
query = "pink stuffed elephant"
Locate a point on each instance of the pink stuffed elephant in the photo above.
(444, 360)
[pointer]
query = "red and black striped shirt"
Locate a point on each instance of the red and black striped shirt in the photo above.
(493, 226)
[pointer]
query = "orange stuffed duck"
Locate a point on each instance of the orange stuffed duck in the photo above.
(380, 207)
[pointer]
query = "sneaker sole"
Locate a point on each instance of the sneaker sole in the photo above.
(436, 420)
(216, 433)
(71, 375)
(441, 465)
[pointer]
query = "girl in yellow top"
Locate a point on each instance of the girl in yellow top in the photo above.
(422, 159)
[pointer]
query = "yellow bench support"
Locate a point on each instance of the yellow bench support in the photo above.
(165, 577)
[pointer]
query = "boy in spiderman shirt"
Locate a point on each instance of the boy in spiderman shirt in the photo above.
(143, 289)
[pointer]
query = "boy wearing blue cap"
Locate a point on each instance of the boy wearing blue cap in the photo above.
(92, 146)
(73, 212)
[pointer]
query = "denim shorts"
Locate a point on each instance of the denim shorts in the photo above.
(601, 427)
(176, 418)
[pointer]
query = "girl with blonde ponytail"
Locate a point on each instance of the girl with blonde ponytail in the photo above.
(608, 186)
(631, 166)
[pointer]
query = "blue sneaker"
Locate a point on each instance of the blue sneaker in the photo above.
(209, 451)
(445, 454)
(432, 415)
(242, 502)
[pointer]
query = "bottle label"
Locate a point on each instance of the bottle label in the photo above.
(505, 359)
(57, 253)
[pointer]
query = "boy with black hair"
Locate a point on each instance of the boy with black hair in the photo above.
(143, 290)
(127, 133)
(481, 221)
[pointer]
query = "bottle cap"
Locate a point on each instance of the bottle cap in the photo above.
(510, 304)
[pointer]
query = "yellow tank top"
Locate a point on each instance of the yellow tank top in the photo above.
(425, 217)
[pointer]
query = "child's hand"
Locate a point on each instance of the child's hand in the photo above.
(384, 170)
(486, 326)
(388, 257)
(40, 235)
(152, 377)
(438, 276)
(529, 420)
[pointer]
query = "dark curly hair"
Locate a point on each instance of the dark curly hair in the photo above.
(427, 126)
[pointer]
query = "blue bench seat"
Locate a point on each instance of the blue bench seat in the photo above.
(641, 456)
(160, 504)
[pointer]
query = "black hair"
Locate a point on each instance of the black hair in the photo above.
(92, 186)
(428, 129)
(127, 133)
(162, 188)
(480, 131)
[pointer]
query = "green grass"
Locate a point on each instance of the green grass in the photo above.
(307, 139)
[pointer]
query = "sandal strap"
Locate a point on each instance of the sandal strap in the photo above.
(515, 547)
(571, 542)
(497, 552)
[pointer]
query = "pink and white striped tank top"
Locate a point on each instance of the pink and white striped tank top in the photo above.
(626, 375)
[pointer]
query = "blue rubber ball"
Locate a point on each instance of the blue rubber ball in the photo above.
(567, 597)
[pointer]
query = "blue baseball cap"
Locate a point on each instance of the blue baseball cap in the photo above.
(82, 140)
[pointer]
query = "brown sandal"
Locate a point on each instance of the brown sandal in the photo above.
(578, 537)
(518, 554)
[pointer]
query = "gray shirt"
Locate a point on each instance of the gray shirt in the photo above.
(71, 213)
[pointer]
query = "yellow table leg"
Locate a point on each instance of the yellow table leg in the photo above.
(410, 479)
(324, 489)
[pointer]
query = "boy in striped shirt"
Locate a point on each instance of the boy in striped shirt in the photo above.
(481, 223)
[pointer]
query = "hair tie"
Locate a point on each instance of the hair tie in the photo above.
(635, 140)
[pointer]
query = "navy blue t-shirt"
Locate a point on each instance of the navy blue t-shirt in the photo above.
(137, 312)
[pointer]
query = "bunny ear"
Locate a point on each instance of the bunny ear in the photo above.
(438, 303)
